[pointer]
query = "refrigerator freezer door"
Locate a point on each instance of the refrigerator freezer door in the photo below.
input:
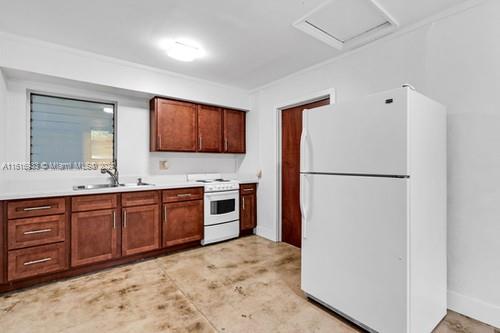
(366, 136)
(354, 253)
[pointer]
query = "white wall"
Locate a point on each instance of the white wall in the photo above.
(3, 112)
(134, 158)
(39, 57)
(455, 61)
(100, 75)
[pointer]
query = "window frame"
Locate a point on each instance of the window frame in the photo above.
(30, 93)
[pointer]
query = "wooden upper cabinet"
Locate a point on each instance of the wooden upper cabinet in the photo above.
(209, 129)
(234, 131)
(190, 127)
(173, 125)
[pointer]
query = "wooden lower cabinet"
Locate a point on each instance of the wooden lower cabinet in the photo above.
(35, 207)
(248, 207)
(140, 229)
(93, 232)
(37, 260)
(93, 202)
(182, 222)
(94, 236)
(3, 250)
(36, 231)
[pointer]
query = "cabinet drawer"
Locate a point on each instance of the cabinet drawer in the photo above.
(93, 202)
(36, 231)
(248, 188)
(37, 260)
(36, 207)
(183, 194)
(140, 198)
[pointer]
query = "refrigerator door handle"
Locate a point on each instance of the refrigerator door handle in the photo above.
(305, 147)
(304, 206)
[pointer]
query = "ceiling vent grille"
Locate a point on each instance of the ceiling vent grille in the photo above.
(347, 23)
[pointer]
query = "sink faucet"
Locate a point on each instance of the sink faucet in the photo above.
(114, 175)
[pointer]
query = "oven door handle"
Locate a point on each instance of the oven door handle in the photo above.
(221, 194)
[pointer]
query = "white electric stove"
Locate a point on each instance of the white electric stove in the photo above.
(222, 207)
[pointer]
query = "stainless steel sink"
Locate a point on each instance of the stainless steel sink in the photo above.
(102, 186)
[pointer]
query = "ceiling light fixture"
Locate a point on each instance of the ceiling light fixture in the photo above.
(182, 49)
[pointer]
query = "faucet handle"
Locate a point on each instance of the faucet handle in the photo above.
(139, 181)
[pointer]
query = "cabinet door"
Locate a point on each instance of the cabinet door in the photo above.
(248, 211)
(234, 131)
(141, 229)
(175, 126)
(93, 237)
(209, 129)
(3, 251)
(182, 222)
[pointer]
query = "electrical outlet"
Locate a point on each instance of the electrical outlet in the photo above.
(164, 165)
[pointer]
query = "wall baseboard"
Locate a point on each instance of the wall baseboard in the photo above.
(474, 308)
(267, 233)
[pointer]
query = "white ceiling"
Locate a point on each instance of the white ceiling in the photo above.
(248, 43)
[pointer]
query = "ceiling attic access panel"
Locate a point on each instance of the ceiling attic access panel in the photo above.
(347, 23)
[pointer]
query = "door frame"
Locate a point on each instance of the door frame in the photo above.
(306, 99)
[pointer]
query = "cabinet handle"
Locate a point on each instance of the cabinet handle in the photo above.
(225, 144)
(243, 203)
(39, 261)
(159, 141)
(41, 231)
(28, 209)
(248, 189)
(165, 214)
(124, 218)
(114, 219)
(201, 142)
(184, 195)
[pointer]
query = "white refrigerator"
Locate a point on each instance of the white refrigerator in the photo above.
(373, 203)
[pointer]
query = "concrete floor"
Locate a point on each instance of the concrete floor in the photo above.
(246, 285)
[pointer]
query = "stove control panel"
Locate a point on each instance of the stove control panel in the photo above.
(219, 187)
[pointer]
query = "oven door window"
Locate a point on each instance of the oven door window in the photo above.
(220, 207)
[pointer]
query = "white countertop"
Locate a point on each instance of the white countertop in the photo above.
(25, 189)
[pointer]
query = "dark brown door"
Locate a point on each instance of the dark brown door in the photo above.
(141, 229)
(209, 129)
(94, 236)
(2, 247)
(291, 122)
(176, 126)
(182, 222)
(248, 214)
(234, 131)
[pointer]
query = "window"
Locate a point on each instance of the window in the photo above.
(71, 133)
